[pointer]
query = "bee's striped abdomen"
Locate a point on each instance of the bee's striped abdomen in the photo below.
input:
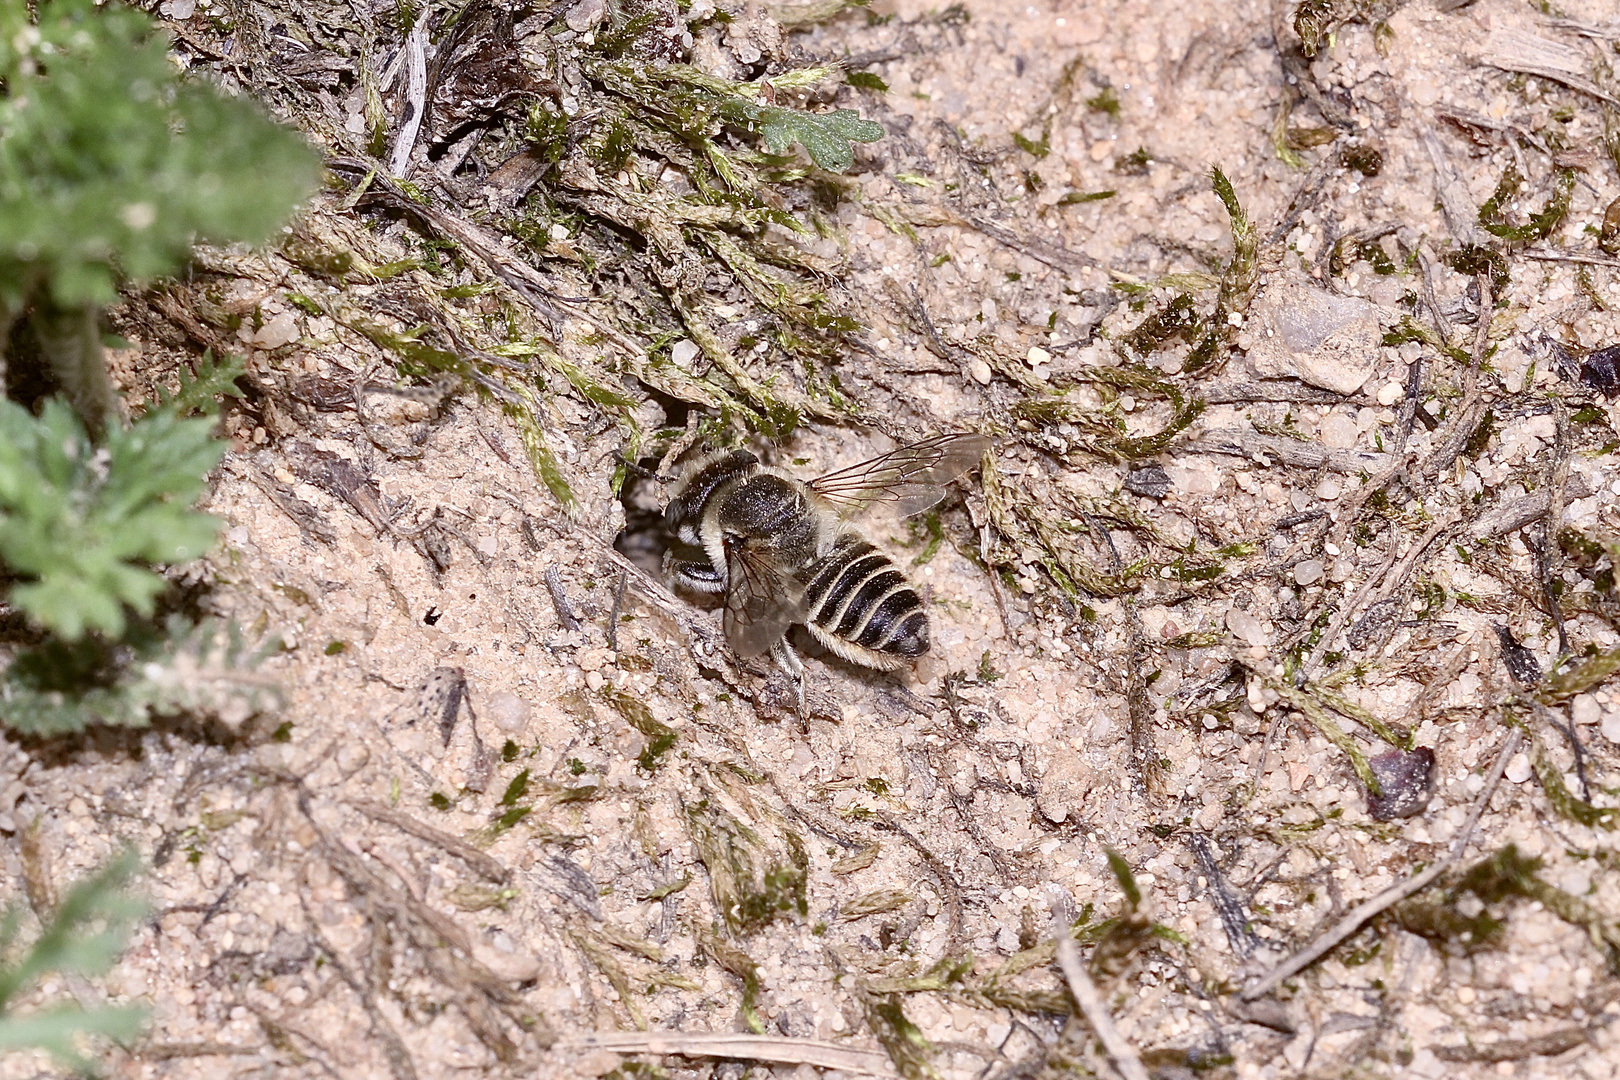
(827, 589)
(892, 614)
(857, 596)
(876, 587)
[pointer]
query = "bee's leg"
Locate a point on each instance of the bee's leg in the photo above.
(699, 575)
(789, 661)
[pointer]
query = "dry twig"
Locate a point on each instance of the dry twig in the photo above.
(777, 1051)
(486, 866)
(1086, 996)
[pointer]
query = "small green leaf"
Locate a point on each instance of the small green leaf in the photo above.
(1126, 879)
(1030, 146)
(59, 1030)
(518, 788)
(826, 137)
(200, 393)
(865, 80)
(83, 936)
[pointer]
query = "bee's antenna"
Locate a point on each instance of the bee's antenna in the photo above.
(641, 470)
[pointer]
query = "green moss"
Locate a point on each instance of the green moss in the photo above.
(517, 789)
(1314, 20)
(1073, 197)
(1480, 437)
(1177, 319)
(1504, 877)
(660, 736)
(752, 885)
(1582, 677)
(1125, 877)
(1238, 281)
(1541, 224)
(740, 964)
(1105, 101)
(1563, 801)
(935, 532)
(667, 889)
(540, 455)
(1036, 150)
(908, 1049)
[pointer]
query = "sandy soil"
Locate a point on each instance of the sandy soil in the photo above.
(338, 892)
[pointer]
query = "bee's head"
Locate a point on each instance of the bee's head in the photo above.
(690, 494)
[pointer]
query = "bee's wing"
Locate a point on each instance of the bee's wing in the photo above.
(762, 600)
(913, 477)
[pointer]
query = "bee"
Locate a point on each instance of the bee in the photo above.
(782, 553)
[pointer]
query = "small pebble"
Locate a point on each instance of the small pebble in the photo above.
(683, 352)
(1390, 393)
(1339, 432)
(1037, 356)
(1308, 572)
(980, 371)
(509, 712)
(1611, 726)
(594, 680)
(1424, 91)
(509, 967)
(1518, 769)
(1246, 627)
(1150, 481)
(1584, 710)
(351, 757)
(279, 331)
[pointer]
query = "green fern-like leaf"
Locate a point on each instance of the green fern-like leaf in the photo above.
(200, 394)
(111, 165)
(82, 936)
(79, 521)
(826, 137)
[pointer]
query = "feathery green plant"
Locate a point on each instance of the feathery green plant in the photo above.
(82, 936)
(111, 167)
(206, 671)
(77, 520)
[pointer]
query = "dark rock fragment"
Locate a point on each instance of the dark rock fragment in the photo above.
(1407, 780)
(1150, 481)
